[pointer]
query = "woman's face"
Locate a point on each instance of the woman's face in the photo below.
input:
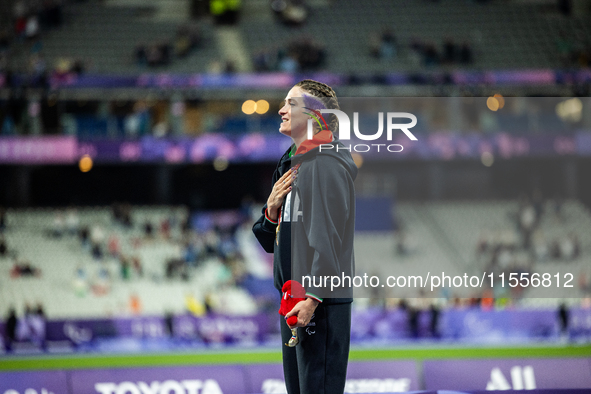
(294, 121)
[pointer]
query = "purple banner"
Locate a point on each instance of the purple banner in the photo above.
(516, 374)
(470, 376)
(209, 329)
(458, 324)
(37, 150)
(84, 331)
(258, 147)
(38, 382)
(178, 380)
(362, 377)
(248, 148)
(379, 326)
(283, 80)
(223, 329)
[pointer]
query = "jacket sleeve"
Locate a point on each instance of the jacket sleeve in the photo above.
(264, 231)
(328, 216)
(263, 228)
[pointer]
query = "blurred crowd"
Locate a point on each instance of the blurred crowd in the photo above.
(539, 234)
(292, 13)
(574, 49)
(449, 52)
(119, 245)
(32, 18)
(383, 45)
(301, 54)
(30, 327)
(188, 38)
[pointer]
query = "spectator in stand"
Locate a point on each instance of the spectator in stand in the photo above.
(265, 60)
(97, 237)
(527, 223)
(290, 12)
(20, 18)
(576, 245)
(483, 244)
(141, 55)
(185, 225)
(153, 55)
(2, 219)
(450, 51)
(23, 327)
(165, 50)
(135, 304)
(189, 254)
(466, 56)
(10, 328)
(567, 247)
(148, 229)
(555, 250)
(584, 283)
(165, 228)
(124, 268)
(102, 282)
(113, 246)
(72, 221)
(84, 235)
(557, 204)
(566, 48)
(137, 266)
(383, 45)
(288, 63)
(538, 204)
(188, 37)
(51, 15)
(430, 55)
(434, 313)
(563, 319)
(3, 246)
(541, 249)
(38, 326)
(80, 282)
(169, 323)
(4, 40)
(57, 228)
(32, 27)
(126, 216)
(23, 268)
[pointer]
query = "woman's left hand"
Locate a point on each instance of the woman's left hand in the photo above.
(304, 311)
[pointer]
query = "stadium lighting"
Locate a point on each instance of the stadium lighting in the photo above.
(487, 159)
(570, 110)
(500, 99)
(85, 163)
(249, 106)
(262, 106)
(220, 163)
(493, 104)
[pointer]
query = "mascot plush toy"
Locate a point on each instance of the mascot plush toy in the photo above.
(293, 292)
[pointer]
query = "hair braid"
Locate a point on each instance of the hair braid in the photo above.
(328, 97)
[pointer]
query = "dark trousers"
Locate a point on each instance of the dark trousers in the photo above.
(318, 363)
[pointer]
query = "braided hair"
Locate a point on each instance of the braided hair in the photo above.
(327, 97)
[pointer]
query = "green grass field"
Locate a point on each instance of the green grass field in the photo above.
(252, 357)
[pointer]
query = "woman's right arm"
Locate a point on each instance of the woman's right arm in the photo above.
(264, 228)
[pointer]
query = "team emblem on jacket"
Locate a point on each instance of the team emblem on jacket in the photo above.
(292, 214)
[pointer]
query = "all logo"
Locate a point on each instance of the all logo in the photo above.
(522, 378)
